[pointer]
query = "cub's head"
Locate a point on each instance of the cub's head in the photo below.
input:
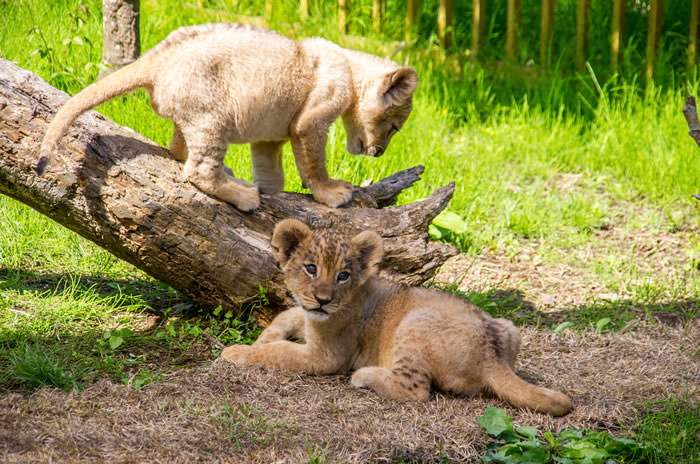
(381, 108)
(323, 268)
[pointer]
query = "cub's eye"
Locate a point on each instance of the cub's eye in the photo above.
(310, 269)
(343, 276)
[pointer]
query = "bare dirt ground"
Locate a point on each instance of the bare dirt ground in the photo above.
(223, 413)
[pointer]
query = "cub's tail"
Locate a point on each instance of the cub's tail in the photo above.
(511, 388)
(130, 77)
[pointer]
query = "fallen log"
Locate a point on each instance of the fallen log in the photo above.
(126, 194)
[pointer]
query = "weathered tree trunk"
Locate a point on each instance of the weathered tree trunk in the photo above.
(125, 193)
(121, 43)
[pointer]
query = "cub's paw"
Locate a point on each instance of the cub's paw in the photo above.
(366, 377)
(236, 353)
(246, 197)
(248, 201)
(333, 192)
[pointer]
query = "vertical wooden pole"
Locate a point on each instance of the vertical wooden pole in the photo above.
(547, 31)
(513, 30)
(411, 17)
(303, 9)
(377, 15)
(582, 16)
(618, 33)
(479, 26)
(656, 14)
(693, 36)
(343, 6)
(444, 22)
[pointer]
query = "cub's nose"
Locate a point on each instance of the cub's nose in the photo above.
(323, 299)
(375, 151)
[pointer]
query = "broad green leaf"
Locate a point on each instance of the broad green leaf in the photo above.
(435, 232)
(600, 325)
(535, 456)
(495, 421)
(527, 431)
(115, 342)
(570, 434)
(562, 326)
(451, 221)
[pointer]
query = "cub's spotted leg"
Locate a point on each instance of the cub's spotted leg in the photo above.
(286, 325)
(268, 173)
(399, 382)
(205, 169)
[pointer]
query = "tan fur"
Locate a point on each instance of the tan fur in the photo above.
(237, 83)
(401, 340)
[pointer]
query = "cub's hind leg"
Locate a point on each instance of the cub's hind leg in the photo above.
(399, 382)
(178, 148)
(505, 338)
(268, 173)
(206, 148)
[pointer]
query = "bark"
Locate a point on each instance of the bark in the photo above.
(121, 43)
(690, 112)
(125, 193)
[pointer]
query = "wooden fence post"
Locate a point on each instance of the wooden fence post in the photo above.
(547, 31)
(513, 30)
(656, 15)
(343, 6)
(693, 37)
(582, 18)
(411, 17)
(479, 26)
(445, 22)
(377, 15)
(618, 32)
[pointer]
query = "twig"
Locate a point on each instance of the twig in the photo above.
(690, 112)
(213, 340)
(17, 311)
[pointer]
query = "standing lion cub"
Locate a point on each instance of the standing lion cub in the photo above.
(238, 83)
(400, 339)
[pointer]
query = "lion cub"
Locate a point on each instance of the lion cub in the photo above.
(239, 83)
(400, 339)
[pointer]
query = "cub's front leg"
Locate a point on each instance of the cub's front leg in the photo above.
(284, 355)
(286, 325)
(309, 134)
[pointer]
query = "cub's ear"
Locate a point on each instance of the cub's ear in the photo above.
(367, 252)
(288, 236)
(397, 86)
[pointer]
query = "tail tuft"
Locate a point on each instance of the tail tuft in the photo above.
(41, 165)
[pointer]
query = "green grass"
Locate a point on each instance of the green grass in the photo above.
(511, 137)
(672, 427)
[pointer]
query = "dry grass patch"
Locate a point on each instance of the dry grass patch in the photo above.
(227, 413)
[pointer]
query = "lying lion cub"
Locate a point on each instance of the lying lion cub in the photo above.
(238, 83)
(400, 339)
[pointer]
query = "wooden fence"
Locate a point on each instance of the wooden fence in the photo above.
(444, 23)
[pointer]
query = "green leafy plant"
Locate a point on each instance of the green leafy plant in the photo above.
(115, 338)
(570, 446)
